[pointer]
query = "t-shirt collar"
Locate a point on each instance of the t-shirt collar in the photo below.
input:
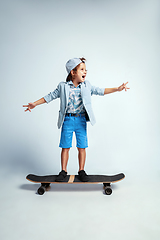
(71, 83)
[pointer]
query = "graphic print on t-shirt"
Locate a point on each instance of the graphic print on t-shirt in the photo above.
(75, 104)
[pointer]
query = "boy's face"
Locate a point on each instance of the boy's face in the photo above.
(80, 75)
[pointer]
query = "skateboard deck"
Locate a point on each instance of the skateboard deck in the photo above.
(74, 179)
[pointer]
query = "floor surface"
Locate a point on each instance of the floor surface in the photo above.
(79, 211)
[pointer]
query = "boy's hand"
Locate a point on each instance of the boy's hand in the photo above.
(123, 86)
(29, 106)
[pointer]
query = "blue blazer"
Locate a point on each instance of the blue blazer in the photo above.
(62, 92)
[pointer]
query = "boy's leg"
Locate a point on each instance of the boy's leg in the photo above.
(64, 161)
(81, 158)
(82, 144)
(65, 144)
(64, 158)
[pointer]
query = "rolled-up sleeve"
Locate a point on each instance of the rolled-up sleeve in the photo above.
(52, 95)
(97, 91)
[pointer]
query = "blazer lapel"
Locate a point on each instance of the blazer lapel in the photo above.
(83, 85)
(67, 87)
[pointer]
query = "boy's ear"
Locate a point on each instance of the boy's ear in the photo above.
(72, 72)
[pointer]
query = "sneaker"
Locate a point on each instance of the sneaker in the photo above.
(83, 176)
(61, 176)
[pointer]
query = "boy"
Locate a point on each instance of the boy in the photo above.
(75, 110)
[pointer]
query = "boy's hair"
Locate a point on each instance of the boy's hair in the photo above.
(70, 77)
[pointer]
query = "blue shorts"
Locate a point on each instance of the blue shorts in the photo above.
(74, 124)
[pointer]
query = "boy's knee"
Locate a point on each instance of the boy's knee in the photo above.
(65, 149)
(81, 150)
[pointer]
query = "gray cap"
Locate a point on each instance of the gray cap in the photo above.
(72, 63)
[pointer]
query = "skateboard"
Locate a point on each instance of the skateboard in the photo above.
(74, 179)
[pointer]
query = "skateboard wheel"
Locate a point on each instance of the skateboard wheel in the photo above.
(108, 191)
(41, 190)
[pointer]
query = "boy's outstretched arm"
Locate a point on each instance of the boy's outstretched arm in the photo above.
(34, 104)
(117, 89)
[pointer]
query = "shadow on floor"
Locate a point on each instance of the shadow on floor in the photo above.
(62, 187)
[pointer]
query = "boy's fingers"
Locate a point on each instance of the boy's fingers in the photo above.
(28, 109)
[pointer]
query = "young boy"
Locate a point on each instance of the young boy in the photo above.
(75, 110)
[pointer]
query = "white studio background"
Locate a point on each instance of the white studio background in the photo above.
(120, 40)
